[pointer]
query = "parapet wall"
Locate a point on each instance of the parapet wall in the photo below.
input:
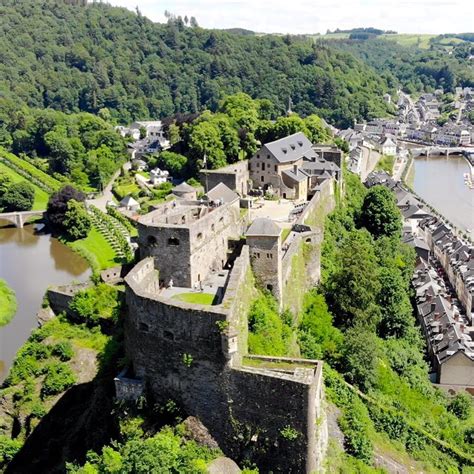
(60, 297)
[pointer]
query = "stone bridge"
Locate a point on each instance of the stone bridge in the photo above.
(20, 218)
(441, 150)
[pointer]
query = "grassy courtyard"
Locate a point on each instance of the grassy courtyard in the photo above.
(195, 298)
(41, 196)
(8, 303)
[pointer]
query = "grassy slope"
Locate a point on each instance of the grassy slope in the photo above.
(96, 250)
(41, 197)
(8, 303)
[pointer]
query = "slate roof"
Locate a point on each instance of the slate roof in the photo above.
(288, 149)
(223, 193)
(298, 177)
(263, 226)
(128, 201)
(184, 188)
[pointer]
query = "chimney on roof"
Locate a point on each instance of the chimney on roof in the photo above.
(433, 307)
(295, 169)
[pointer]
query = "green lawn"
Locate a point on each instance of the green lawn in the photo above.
(41, 197)
(422, 41)
(195, 298)
(7, 303)
(123, 190)
(96, 250)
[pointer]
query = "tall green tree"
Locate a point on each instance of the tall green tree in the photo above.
(380, 214)
(18, 197)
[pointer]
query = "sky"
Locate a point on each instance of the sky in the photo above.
(317, 16)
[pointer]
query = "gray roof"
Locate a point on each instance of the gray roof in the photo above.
(288, 149)
(299, 176)
(263, 226)
(129, 201)
(184, 188)
(223, 193)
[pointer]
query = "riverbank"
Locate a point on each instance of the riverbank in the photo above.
(8, 303)
(438, 181)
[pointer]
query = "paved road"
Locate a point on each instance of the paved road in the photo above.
(107, 195)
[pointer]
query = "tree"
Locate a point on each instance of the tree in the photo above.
(317, 336)
(18, 197)
(461, 406)
(5, 183)
(352, 288)
(58, 206)
(380, 214)
(395, 307)
(361, 356)
(172, 162)
(76, 222)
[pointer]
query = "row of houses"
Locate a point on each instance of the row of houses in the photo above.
(456, 257)
(449, 337)
(443, 283)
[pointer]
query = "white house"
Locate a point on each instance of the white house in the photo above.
(158, 176)
(388, 146)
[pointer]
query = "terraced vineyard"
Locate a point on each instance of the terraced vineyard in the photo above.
(37, 177)
(114, 232)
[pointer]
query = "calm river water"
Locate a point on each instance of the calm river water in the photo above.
(30, 263)
(440, 182)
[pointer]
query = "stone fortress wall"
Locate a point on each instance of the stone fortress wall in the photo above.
(235, 177)
(196, 355)
(193, 235)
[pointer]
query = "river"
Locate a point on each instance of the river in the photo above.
(31, 262)
(440, 182)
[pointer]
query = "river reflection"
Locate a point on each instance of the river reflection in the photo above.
(31, 262)
(440, 182)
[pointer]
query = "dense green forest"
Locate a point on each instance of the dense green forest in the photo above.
(74, 58)
(413, 68)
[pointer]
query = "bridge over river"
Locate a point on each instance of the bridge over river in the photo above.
(19, 219)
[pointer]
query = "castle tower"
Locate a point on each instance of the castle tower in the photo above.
(264, 240)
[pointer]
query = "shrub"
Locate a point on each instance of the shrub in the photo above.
(63, 350)
(8, 448)
(59, 377)
(461, 406)
(18, 197)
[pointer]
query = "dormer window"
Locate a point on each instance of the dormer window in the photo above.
(300, 143)
(284, 150)
(292, 146)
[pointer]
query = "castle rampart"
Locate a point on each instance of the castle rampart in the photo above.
(196, 355)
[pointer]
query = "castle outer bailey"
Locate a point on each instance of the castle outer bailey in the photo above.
(269, 410)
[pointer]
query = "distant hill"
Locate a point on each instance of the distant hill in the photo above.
(84, 58)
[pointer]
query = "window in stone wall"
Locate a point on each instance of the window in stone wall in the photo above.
(199, 236)
(151, 240)
(270, 287)
(269, 255)
(173, 241)
(263, 166)
(168, 335)
(276, 168)
(213, 227)
(262, 179)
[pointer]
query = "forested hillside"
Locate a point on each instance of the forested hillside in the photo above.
(75, 58)
(413, 68)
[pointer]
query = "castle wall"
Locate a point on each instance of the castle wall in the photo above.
(193, 355)
(234, 176)
(188, 253)
(59, 297)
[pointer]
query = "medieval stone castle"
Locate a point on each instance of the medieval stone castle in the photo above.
(222, 246)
